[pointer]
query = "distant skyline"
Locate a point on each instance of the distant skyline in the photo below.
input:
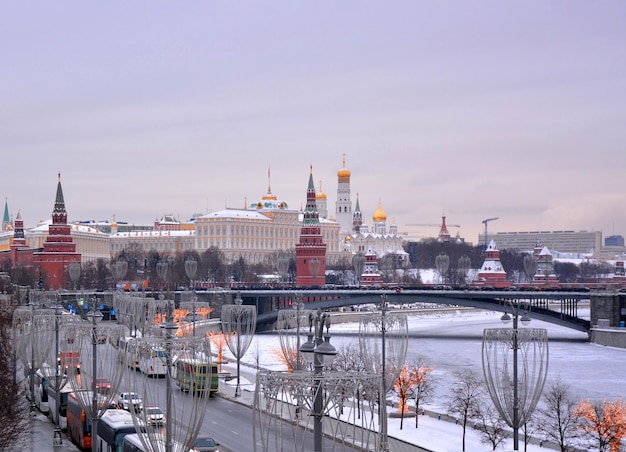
(478, 109)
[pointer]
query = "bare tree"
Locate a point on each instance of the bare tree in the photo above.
(466, 394)
(557, 419)
(490, 424)
(13, 410)
(423, 387)
(604, 422)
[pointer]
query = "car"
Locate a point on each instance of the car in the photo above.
(126, 400)
(103, 385)
(205, 444)
(155, 415)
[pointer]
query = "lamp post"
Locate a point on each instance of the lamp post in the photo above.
(384, 359)
(53, 370)
(95, 317)
(505, 383)
(238, 326)
(318, 351)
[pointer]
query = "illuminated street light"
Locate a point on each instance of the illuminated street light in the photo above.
(515, 394)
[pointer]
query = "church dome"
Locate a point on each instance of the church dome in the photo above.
(379, 216)
(320, 196)
(343, 173)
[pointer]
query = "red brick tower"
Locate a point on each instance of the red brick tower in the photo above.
(444, 235)
(59, 250)
(310, 250)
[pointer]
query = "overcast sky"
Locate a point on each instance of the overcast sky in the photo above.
(509, 109)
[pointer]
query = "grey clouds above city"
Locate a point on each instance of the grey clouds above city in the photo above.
(477, 109)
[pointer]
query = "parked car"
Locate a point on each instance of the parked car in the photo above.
(126, 400)
(206, 444)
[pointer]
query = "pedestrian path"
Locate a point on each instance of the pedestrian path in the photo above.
(42, 437)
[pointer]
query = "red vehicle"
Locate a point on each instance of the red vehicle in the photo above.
(69, 360)
(78, 423)
(103, 385)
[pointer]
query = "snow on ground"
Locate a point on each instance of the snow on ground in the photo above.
(450, 341)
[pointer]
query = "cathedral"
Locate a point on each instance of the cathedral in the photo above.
(357, 236)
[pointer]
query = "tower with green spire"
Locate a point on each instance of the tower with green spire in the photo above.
(59, 249)
(6, 219)
(310, 250)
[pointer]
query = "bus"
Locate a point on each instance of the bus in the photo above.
(153, 362)
(132, 443)
(191, 375)
(59, 414)
(78, 423)
(129, 352)
(113, 427)
(69, 360)
(41, 392)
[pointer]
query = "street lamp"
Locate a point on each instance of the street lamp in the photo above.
(290, 343)
(514, 394)
(383, 358)
(319, 352)
(95, 317)
(307, 398)
(51, 368)
(30, 344)
(92, 345)
(176, 426)
(238, 326)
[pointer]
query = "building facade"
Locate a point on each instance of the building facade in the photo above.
(582, 242)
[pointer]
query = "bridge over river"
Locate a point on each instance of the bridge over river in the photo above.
(560, 308)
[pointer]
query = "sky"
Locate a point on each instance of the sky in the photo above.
(478, 109)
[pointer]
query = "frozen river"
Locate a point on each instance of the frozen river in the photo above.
(450, 341)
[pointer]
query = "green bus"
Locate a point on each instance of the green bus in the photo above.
(192, 375)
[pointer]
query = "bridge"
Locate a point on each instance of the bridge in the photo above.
(560, 308)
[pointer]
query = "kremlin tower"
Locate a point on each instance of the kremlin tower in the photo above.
(310, 250)
(59, 250)
(371, 277)
(444, 235)
(357, 217)
(343, 205)
(491, 273)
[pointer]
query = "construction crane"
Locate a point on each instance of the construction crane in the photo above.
(433, 225)
(485, 223)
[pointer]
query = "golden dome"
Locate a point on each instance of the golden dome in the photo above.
(343, 173)
(379, 216)
(319, 194)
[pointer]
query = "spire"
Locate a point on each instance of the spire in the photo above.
(59, 214)
(311, 215)
(357, 217)
(6, 220)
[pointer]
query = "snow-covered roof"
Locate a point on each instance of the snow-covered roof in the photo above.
(43, 226)
(236, 213)
(144, 234)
